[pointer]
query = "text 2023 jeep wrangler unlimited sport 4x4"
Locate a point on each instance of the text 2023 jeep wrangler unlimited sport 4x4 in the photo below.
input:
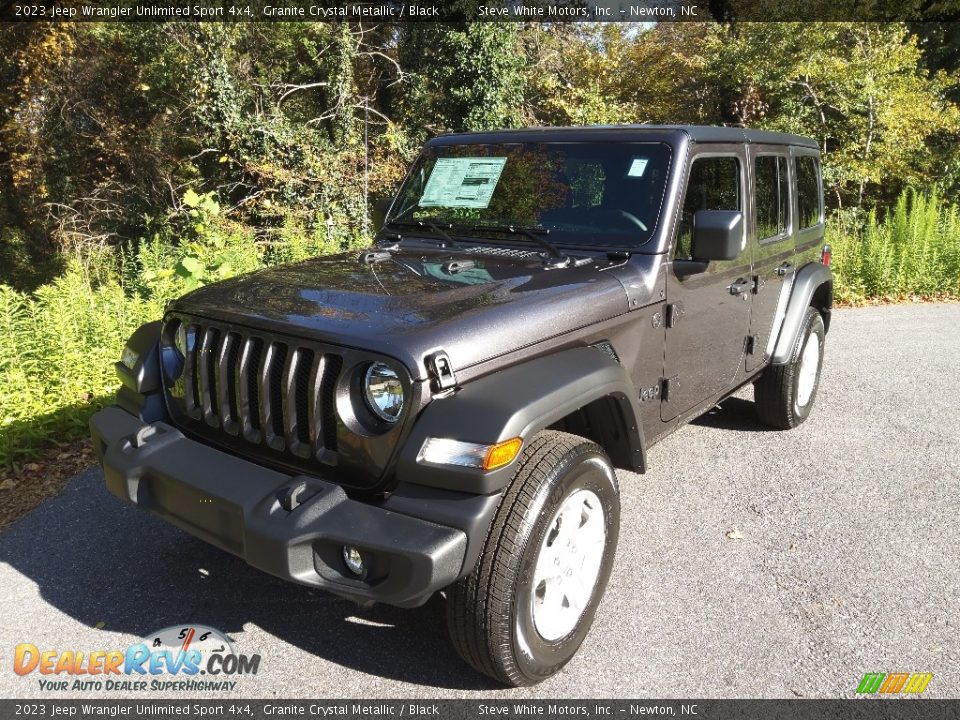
(446, 409)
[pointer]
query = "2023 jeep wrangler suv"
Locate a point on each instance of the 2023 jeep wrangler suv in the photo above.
(445, 410)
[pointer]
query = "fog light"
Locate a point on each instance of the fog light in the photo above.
(353, 560)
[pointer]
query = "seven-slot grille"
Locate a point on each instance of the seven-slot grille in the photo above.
(270, 392)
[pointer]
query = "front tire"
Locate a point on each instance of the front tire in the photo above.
(784, 394)
(523, 612)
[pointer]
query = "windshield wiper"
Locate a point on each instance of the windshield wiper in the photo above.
(534, 233)
(431, 224)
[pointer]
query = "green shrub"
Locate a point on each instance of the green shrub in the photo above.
(57, 350)
(196, 246)
(293, 242)
(911, 250)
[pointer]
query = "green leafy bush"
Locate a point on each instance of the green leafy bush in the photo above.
(911, 250)
(57, 350)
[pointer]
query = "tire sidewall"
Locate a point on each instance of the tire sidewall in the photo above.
(813, 326)
(537, 658)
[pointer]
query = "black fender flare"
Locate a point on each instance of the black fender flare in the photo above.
(519, 401)
(809, 279)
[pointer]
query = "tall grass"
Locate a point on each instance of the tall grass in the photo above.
(911, 250)
(57, 350)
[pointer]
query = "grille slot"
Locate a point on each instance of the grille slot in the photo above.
(191, 389)
(275, 373)
(302, 394)
(249, 395)
(230, 372)
(331, 371)
(269, 392)
(209, 399)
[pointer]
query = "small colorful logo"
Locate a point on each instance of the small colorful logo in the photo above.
(169, 659)
(894, 683)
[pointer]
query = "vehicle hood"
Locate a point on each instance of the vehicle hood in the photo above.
(413, 303)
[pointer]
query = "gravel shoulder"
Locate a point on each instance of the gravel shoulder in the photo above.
(849, 560)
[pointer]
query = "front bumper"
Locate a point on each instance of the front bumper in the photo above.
(293, 527)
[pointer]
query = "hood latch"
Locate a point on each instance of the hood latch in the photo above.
(441, 369)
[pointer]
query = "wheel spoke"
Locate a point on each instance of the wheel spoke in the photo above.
(568, 527)
(545, 572)
(568, 564)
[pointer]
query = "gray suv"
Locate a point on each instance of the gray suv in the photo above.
(445, 411)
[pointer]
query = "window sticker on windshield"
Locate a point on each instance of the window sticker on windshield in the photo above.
(638, 166)
(462, 182)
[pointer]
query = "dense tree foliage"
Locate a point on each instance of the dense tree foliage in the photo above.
(294, 127)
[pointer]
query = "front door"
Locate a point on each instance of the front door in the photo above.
(708, 314)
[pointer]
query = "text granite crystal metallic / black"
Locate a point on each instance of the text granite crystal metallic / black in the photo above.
(445, 409)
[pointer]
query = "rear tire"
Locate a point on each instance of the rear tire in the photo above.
(523, 612)
(784, 394)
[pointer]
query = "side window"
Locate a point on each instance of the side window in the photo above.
(808, 191)
(714, 184)
(772, 195)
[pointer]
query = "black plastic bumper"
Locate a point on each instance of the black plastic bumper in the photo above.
(242, 507)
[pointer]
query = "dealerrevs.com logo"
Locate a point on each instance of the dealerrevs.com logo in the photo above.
(186, 658)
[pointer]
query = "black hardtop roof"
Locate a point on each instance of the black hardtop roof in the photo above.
(626, 133)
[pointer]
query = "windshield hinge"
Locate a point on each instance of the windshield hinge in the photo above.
(374, 256)
(668, 386)
(441, 369)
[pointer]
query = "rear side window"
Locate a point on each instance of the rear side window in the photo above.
(772, 195)
(808, 191)
(714, 184)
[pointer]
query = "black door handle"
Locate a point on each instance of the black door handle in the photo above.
(784, 269)
(739, 287)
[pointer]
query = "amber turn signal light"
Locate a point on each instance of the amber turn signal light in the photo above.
(502, 453)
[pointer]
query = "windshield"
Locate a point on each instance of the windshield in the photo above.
(594, 194)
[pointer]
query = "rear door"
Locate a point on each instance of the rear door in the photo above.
(707, 321)
(771, 245)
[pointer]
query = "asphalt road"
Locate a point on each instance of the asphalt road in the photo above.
(849, 561)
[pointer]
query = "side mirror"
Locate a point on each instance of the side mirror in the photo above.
(378, 213)
(717, 234)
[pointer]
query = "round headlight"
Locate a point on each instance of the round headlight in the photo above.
(383, 392)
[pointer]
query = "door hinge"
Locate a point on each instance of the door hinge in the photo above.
(668, 386)
(751, 344)
(674, 311)
(441, 369)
